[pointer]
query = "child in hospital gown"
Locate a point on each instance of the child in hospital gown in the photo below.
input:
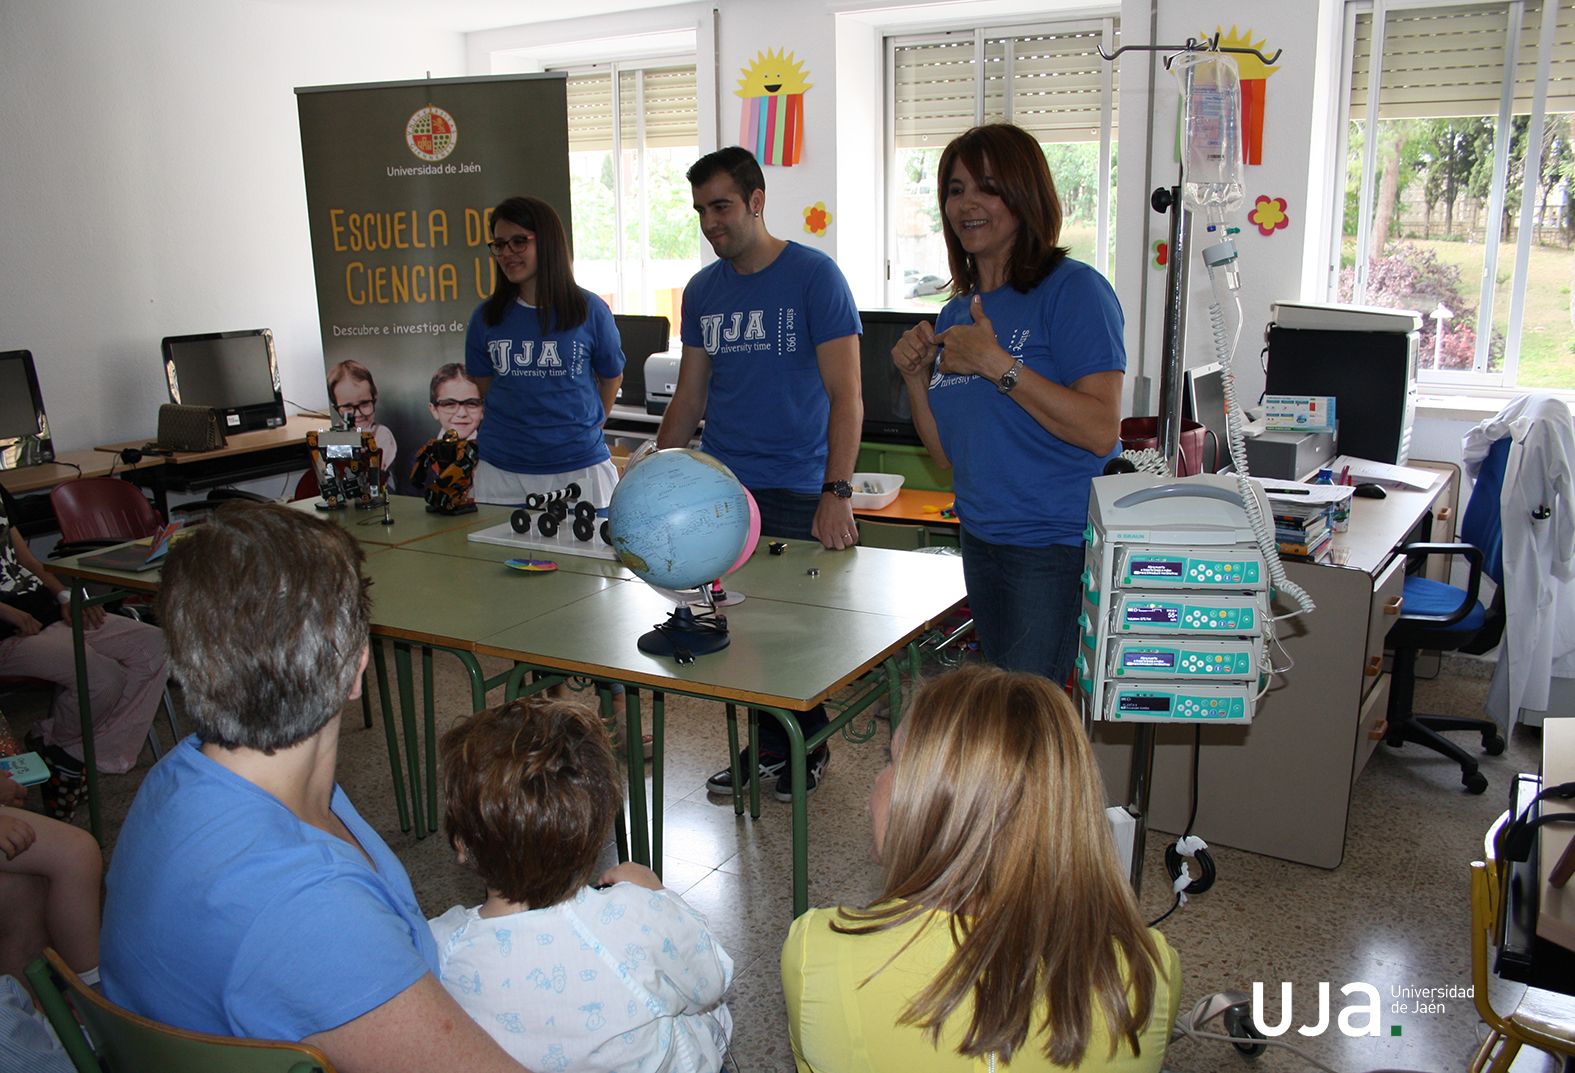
(564, 974)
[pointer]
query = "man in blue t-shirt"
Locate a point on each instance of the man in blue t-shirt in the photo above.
(771, 361)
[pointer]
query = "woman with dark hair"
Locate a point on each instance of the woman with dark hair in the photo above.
(546, 355)
(1006, 932)
(1017, 388)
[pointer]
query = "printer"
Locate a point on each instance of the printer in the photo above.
(661, 378)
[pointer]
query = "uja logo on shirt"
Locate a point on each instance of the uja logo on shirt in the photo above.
(719, 328)
(504, 357)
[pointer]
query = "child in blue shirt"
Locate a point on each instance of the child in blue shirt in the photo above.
(622, 975)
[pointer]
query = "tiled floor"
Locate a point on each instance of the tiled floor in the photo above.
(1393, 915)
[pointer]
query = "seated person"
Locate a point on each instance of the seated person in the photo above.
(50, 874)
(567, 976)
(126, 667)
(247, 897)
(990, 881)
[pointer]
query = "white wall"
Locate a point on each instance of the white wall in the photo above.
(151, 185)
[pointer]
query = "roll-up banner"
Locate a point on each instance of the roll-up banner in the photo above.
(401, 178)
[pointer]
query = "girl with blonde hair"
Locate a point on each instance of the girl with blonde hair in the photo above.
(1006, 935)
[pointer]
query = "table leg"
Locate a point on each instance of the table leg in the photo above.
(85, 708)
(894, 689)
(795, 737)
(407, 709)
(658, 713)
(380, 663)
(732, 759)
(754, 761)
(429, 720)
(620, 826)
(639, 833)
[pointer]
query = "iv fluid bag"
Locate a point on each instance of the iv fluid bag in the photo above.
(1212, 170)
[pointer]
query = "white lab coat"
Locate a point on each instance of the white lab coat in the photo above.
(1539, 554)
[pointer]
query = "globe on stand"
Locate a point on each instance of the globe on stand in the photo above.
(679, 520)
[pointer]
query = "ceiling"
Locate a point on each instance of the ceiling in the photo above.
(465, 16)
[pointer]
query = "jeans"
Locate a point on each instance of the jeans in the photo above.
(788, 514)
(1025, 603)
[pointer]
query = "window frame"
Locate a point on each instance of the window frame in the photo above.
(1106, 24)
(1478, 378)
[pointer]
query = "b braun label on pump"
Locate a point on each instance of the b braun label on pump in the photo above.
(1211, 568)
(1201, 703)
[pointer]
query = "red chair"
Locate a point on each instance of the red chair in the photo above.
(96, 511)
(306, 487)
(101, 509)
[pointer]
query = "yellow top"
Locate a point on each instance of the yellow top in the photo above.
(837, 1025)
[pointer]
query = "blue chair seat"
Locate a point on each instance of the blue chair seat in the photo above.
(1423, 596)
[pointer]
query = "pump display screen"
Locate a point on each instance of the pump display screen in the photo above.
(1148, 660)
(1127, 704)
(1172, 569)
(1158, 615)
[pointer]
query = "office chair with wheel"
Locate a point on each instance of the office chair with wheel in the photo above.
(1439, 617)
(121, 1040)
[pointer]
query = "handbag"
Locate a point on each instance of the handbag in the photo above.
(189, 428)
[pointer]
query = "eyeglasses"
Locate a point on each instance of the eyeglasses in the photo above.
(449, 405)
(361, 409)
(514, 243)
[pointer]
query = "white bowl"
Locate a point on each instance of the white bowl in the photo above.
(872, 491)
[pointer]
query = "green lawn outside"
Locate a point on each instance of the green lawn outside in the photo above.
(1547, 345)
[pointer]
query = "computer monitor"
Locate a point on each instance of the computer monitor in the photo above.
(887, 416)
(234, 373)
(1203, 401)
(640, 336)
(24, 429)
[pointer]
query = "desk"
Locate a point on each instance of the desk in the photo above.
(244, 456)
(1282, 785)
(68, 466)
(795, 641)
(1556, 908)
(908, 508)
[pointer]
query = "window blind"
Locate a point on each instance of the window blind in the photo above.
(1054, 80)
(671, 115)
(1449, 61)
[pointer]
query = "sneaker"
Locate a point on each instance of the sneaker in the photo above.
(814, 770)
(770, 767)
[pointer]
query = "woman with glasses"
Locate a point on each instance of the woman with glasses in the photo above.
(546, 354)
(353, 394)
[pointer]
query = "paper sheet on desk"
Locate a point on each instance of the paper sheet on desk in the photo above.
(1366, 471)
(1295, 493)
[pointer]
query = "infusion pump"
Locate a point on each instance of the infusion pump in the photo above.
(1175, 601)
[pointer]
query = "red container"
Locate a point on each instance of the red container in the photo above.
(1140, 432)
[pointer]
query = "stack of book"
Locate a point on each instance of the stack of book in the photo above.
(1302, 530)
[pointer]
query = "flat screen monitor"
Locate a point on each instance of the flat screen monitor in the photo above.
(887, 416)
(1203, 401)
(24, 429)
(234, 373)
(640, 336)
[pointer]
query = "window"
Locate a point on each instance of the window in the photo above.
(1456, 189)
(1047, 79)
(633, 132)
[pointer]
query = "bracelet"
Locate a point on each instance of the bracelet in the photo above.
(63, 597)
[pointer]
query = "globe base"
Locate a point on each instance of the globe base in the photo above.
(685, 636)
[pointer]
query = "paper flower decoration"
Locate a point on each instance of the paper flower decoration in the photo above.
(1161, 253)
(817, 219)
(1269, 215)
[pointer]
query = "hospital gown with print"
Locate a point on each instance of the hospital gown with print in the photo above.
(625, 979)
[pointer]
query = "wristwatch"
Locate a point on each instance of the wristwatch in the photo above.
(1009, 378)
(840, 489)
